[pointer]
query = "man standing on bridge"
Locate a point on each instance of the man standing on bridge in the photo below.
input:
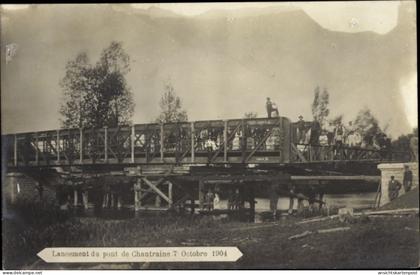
(301, 130)
(271, 107)
(394, 187)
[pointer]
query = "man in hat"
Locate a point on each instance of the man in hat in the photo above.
(271, 107)
(394, 187)
(301, 130)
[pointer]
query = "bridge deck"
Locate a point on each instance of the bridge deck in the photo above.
(237, 141)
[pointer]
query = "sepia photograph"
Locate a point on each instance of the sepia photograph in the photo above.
(210, 136)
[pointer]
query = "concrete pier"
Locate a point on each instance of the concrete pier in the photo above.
(396, 170)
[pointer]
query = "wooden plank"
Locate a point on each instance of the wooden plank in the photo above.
(157, 190)
(301, 235)
(145, 192)
(393, 211)
(337, 178)
(169, 192)
(380, 212)
(192, 143)
(201, 193)
(336, 229)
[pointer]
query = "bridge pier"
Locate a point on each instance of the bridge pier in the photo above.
(396, 170)
(13, 187)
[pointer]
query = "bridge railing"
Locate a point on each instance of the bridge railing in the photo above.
(315, 153)
(217, 141)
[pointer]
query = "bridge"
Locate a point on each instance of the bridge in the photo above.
(238, 141)
(177, 162)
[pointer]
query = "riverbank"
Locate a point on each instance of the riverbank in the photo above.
(373, 242)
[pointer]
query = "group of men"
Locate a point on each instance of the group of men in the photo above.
(212, 200)
(394, 185)
(330, 135)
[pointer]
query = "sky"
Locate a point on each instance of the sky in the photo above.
(377, 16)
(352, 17)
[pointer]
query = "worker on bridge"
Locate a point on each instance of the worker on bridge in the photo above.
(271, 107)
(301, 130)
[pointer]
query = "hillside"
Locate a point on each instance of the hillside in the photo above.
(221, 66)
(409, 200)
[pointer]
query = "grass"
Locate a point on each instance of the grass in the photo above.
(381, 242)
(409, 200)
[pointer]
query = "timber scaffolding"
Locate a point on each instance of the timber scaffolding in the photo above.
(174, 162)
(177, 187)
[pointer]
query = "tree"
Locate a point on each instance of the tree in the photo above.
(402, 143)
(368, 126)
(250, 115)
(337, 120)
(75, 86)
(320, 109)
(97, 95)
(171, 107)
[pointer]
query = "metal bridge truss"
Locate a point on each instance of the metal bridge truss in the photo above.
(242, 141)
(232, 141)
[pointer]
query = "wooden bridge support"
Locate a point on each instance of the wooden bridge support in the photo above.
(85, 198)
(112, 200)
(119, 201)
(75, 197)
(155, 187)
(201, 193)
(137, 194)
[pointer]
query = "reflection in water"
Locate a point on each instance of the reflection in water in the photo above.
(356, 201)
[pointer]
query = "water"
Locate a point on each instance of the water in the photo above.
(357, 201)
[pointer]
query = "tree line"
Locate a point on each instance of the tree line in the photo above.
(97, 95)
